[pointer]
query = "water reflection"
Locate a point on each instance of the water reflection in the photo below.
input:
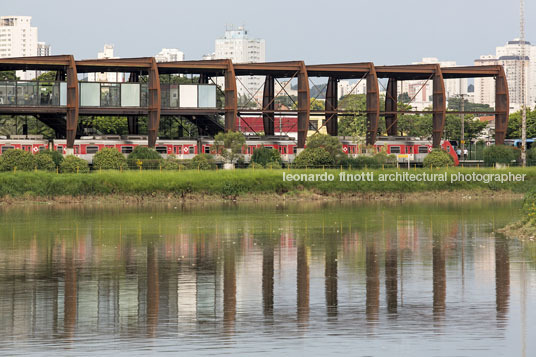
(223, 272)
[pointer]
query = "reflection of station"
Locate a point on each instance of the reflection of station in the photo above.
(59, 103)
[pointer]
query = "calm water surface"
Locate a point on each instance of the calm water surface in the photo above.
(356, 279)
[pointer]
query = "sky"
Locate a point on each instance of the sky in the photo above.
(333, 31)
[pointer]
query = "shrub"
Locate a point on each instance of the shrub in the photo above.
(315, 157)
(109, 158)
(22, 160)
(56, 156)
(531, 155)
(145, 163)
(44, 161)
(327, 142)
(144, 153)
(438, 158)
(203, 162)
(73, 164)
(171, 163)
(229, 145)
(498, 154)
(265, 155)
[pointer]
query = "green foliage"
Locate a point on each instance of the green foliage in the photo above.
(47, 77)
(314, 157)
(144, 153)
(438, 158)
(22, 160)
(109, 158)
(264, 156)
(8, 76)
(202, 162)
(499, 154)
(531, 155)
(375, 161)
(229, 145)
(107, 125)
(514, 125)
(472, 127)
(56, 156)
(73, 164)
(329, 143)
(171, 163)
(43, 161)
(455, 104)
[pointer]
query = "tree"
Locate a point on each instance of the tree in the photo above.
(404, 98)
(107, 124)
(514, 125)
(455, 104)
(8, 76)
(329, 143)
(229, 145)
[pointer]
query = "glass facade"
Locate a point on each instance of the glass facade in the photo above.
(130, 95)
(110, 94)
(90, 94)
(188, 96)
(33, 93)
(207, 96)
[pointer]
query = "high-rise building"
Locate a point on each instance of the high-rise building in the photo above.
(509, 56)
(169, 55)
(106, 53)
(18, 39)
(43, 49)
(237, 46)
(422, 90)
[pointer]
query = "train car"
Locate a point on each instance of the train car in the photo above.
(87, 146)
(411, 149)
(31, 143)
(518, 142)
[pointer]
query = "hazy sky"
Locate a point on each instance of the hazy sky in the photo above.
(329, 31)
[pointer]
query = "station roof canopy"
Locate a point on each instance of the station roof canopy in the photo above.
(37, 63)
(210, 67)
(276, 69)
(141, 64)
(343, 70)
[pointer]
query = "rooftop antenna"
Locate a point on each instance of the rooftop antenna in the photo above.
(523, 84)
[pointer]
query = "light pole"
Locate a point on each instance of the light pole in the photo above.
(462, 116)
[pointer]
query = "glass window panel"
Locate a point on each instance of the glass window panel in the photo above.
(130, 95)
(27, 93)
(174, 95)
(188, 96)
(164, 95)
(110, 95)
(207, 96)
(63, 93)
(89, 94)
(45, 93)
(11, 95)
(144, 94)
(3, 94)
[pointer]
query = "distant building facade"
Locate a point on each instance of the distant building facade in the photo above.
(169, 55)
(106, 53)
(18, 38)
(43, 49)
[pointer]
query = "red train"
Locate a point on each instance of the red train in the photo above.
(405, 148)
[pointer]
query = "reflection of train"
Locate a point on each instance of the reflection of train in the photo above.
(405, 148)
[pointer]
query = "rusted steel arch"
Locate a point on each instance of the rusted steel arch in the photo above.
(268, 105)
(46, 63)
(332, 103)
(231, 98)
(304, 105)
(72, 102)
(502, 107)
(391, 107)
(439, 107)
(373, 105)
(153, 120)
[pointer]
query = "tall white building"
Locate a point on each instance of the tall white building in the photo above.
(18, 39)
(509, 56)
(237, 46)
(345, 87)
(422, 90)
(106, 53)
(169, 55)
(43, 49)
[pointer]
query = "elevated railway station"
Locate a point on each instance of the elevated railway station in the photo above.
(60, 102)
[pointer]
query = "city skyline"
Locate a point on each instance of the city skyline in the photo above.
(460, 36)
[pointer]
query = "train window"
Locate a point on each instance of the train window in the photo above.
(92, 149)
(42, 148)
(284, 148)
(161, 149)
(395, 149)
(6, 148)
(59, 148)
(76, 151)
(363, 150)
(294, 149)
(206, 149)
(178, 150)
(191, 150)
(126, 149)
(423, 149)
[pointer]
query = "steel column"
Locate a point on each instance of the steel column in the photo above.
(231, 99)
(268, 106)
(154, 103)
(391, 105)
(501, 107)
(304, 105)
(72, 102)
(332, 98)
(373, 105)
(439, 107)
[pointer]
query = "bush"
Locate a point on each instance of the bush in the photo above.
(144, 153)
(315, 157)
(498, 154)
(22, 160)
(327, 142)
(438, 158)
(171, 164)
(266, 155)
(109, 158)
(73, 164)
(531, 155)
(56, 156)
(145, 164)
(44, 161)
(202, 162)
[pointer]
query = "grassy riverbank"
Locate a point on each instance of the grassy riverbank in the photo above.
(235, 183)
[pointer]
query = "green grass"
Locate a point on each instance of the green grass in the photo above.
(233, 183)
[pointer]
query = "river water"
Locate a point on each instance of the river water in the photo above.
(363, 279)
